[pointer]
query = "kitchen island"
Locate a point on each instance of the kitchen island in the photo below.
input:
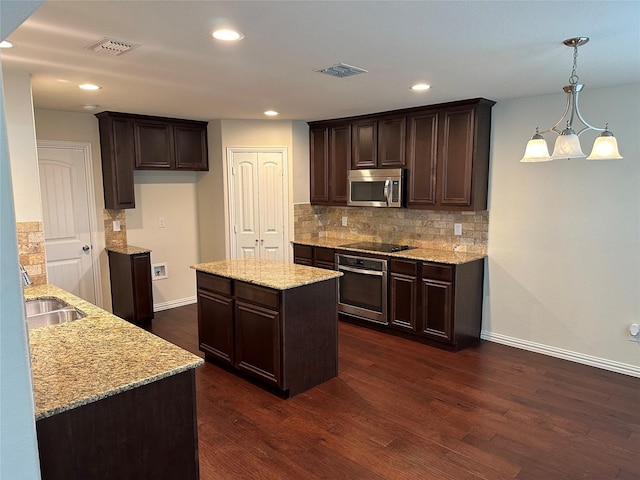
(111, 400)
(274, 322)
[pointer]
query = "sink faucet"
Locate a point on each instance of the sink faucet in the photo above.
(26, 279)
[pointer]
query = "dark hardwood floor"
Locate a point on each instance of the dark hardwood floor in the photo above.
(403, 410)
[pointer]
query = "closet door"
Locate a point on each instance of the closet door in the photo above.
(257, 206)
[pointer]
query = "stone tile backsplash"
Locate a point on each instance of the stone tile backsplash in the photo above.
(419, 228)
(31, 250)
(111, 238)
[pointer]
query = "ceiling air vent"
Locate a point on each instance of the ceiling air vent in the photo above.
(341, 70)
(110, 46)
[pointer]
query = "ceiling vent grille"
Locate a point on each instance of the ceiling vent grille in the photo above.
(110, 46)
(341, 70)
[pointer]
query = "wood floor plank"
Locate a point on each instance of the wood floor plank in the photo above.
(403, 410)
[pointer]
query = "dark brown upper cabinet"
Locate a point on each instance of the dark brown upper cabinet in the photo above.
(330, 153)
(391, 141)
(116, 145)
(422, 159)
(364, 144)
(319, 171)
(379, 143)
(170, 144)
(448, 156)
(131, 142)
(445, 149)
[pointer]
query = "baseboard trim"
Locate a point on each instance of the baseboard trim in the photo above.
(577, 357)
(181, 302)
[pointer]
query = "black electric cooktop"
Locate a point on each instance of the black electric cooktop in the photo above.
(378, 247)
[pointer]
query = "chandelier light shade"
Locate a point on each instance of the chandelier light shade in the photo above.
(567, 144)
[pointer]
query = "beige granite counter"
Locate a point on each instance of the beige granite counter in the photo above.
(128, 250)
(267, 273)
(420, 254)
(83, 361)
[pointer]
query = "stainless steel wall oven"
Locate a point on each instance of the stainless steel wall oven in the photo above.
(362, 290)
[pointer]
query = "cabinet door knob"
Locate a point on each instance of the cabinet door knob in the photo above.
(86, 248)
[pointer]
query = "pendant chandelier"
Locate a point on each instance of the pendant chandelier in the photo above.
(567, 144)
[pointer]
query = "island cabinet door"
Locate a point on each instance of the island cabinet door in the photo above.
(215, 325)
(258, 342)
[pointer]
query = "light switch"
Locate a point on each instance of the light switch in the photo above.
(116, 225)
(344, 221)
(457, 229)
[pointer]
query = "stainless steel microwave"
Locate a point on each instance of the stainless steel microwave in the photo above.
(376, 188)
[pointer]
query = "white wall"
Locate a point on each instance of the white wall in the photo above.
(18, 445)
(564, 236)
(212, 186)
(301, 163)
(22, 146)
(211, 199)
(172, 196)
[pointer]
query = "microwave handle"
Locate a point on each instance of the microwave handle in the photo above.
(387, 190)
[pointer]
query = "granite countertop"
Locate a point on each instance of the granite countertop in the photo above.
(100, 355)
(128, 250)
(267, 273)
(421, 254)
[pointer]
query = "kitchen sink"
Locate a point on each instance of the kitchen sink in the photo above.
(42, 312)
(44, 305)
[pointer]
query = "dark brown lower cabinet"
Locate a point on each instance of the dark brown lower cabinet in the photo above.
(285, 339)
(404, 301)
(320, 257)
(143, 433)
(258, 341)
(436, 303)
(131, 291)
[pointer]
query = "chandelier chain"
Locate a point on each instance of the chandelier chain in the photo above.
(573, 79)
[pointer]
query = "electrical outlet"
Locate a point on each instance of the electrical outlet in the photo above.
(344, 221)
(161, 223)
(457, 229)
(116, 225)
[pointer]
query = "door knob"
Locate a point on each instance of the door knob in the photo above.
(86, 248)
(256, 241)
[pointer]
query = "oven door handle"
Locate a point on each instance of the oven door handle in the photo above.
(360, 270)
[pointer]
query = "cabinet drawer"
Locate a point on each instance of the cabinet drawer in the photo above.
(324, 255)
(303, 252)
(437, 271)
(260, 295)
(405, 267)
(213, 283)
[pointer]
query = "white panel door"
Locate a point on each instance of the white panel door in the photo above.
(247, 228)
(258, 203)
(65, 214)
(271, 211)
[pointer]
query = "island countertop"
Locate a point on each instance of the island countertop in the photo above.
(95, 357)
(267, 273)
(421, 254)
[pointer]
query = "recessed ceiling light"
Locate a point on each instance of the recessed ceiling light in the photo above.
(227, 35)
(6, 44)
(420, 87)
(90, 107)
(271, 113)
(89, 86)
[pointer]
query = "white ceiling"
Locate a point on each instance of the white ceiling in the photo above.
(464, 49)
